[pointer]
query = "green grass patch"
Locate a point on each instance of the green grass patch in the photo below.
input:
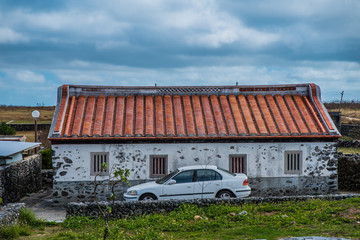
(221, 221)
(346, 150)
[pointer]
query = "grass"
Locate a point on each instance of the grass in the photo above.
(222, 221)
(28, 225)
(350, 150)
(23, 114)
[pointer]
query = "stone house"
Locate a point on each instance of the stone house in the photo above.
(281, 136)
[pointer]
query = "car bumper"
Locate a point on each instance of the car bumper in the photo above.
(244, 192)
(130, 198)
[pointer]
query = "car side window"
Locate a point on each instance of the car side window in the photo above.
(184, 177)
(207, 175)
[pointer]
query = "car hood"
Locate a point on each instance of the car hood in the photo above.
(144, 186)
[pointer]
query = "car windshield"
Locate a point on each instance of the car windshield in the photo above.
(224, 170)
(167, 177)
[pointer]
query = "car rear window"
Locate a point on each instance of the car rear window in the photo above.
(227, 171)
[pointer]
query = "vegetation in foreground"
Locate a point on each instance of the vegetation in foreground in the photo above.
(224, 221)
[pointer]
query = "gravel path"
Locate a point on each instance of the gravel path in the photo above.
(41, 204)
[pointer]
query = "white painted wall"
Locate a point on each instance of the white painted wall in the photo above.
(263, 159)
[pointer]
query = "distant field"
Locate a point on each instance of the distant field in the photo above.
(23, 114)
(350, 111)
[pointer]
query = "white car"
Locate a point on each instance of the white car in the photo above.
(192, 182)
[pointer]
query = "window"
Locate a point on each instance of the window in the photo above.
(293, 162)
(238, 163)
(207, 175)
(97, 159)
(158, 166)
(185, 177)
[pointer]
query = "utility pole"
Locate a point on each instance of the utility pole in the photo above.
(341, 98)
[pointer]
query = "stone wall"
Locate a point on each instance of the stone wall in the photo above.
(349, 144)
(9, 214)
(349, 172)
(127, 209)
(29, 126)
(18, 179)
(350, 130)
(47, 176)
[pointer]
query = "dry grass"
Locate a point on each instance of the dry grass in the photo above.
(350, 111)
(23, 114)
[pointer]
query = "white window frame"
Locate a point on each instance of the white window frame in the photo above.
(163, 166)
(293, 162)
(244, 163)
(98, 158)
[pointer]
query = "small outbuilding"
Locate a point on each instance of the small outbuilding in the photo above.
(14, 151)
(281, 136)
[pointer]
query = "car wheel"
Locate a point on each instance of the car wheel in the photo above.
(147, 197)
(224, 194)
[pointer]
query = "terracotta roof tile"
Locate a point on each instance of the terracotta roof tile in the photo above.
(88, 112)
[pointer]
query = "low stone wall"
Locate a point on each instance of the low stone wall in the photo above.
(9, 214)
(349, 172)
(128, 209)
(30, 126)
(350, 130)
(19, 178)
(47, 176)
(349, 144)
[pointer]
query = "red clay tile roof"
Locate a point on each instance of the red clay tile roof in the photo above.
(170, 113)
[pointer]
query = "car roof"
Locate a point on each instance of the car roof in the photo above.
(197, 167)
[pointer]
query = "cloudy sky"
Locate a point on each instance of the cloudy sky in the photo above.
(44, 44)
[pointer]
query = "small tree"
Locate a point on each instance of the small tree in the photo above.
(119, 175)
(6, 129)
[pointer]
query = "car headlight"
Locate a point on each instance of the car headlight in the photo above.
(132, 192)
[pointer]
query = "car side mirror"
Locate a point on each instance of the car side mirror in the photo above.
(171, 182)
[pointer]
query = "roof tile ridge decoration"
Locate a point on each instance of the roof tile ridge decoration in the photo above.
(169, 116)
(286, 115)
(249, 120)
(78, 118)
(306, 116)
(179, 118)
(189, 116)
(199, 115)
(255, 111)
(88, 118)
(302, 127)
(314, 115)
(63, 105)
(228, 115)
(70, 117)
(268, 117)
(281, 124)
(238, 116)
(315, 95)
(209, 118)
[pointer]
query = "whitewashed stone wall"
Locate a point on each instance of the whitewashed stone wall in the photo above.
(265, 165)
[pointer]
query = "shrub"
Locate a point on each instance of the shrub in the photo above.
(6, 129)
(46, 158)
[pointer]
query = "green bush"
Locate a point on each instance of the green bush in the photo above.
(46, 158)
(6, 129)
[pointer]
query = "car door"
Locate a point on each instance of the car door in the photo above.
(182, 189)
(208, 183)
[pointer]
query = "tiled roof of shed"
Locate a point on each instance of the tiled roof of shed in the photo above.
(142, 113)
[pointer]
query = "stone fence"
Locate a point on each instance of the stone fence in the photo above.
(29, 126)
(350, 130)
(349, 144)
(20, 178)
(349, 172)
(9, 214)
(127, 209)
